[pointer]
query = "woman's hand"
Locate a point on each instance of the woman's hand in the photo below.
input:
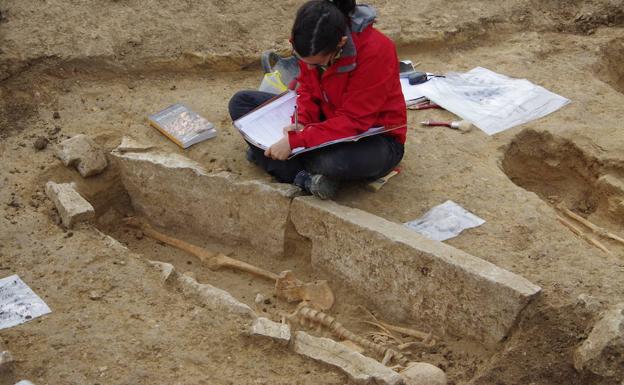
(280, 150)
(292, 127)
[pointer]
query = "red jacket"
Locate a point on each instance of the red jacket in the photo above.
(361, 90)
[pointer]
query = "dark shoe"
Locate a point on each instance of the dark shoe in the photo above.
(250, 156)
(302, 180)
(318, 185)
(322, 187)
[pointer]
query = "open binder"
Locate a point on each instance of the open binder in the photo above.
(264, 126)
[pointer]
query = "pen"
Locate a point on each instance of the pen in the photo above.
(296, 118)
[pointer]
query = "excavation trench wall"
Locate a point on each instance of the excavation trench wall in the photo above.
(411, 278)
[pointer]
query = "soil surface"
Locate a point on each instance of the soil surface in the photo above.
(100, 67)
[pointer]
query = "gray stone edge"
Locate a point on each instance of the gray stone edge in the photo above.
(173, 160)
(448, 254)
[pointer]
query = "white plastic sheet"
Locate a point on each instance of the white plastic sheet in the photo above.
(445, 221)
(18, 303)
(491, 101)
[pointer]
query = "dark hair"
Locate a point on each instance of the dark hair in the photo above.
(319, 26)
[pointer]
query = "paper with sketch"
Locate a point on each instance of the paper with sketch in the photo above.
(18, 303)
(491, 101)
(264, 126)
(445, 221)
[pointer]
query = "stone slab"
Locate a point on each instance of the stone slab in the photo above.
(71, 206)
(602, 353)
(361, 370)
(172, 190)
(213, 297)
(409, 277)
(129, 144)
(264, 327)
(82, 153)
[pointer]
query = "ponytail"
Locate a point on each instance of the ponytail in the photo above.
(345, 6)
(320, 25)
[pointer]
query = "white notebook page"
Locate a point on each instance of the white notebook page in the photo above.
(264, 126)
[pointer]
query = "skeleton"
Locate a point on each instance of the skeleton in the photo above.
(318, 294)
(309, 317)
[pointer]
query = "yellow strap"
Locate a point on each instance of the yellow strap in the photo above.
(275, 80)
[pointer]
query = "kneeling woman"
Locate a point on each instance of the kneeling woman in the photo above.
(348, 83)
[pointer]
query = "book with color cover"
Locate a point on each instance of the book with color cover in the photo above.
(264, 126)
(182, 125)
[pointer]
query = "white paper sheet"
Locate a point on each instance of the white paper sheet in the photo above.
(264, 126)
(491, 101)
(411, 92)
(445, 221)
(18, 303)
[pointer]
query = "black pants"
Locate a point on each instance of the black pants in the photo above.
(368, 158)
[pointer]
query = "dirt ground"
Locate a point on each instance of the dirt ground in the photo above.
(100, 67)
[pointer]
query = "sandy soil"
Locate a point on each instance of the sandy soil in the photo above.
(105, 65)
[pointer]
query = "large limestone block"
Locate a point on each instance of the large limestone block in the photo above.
(361, 369)
(174, 191)
(409, 276)
(71, 206)
(82, 153)
(603, 351)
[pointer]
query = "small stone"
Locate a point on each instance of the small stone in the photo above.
(212, 297)
(173, 87)
(264, 327)
(71, 206)
(166, 270)
(82, 153)
(54, 131)
(422, 373)
(259, 298)
(589, 303)
(56, 115)
(5, 356)
(602, 353)
(41, 143)
(95, 295)
(129, 144)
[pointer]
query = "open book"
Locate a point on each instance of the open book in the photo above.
(264, 126)
(182, 125)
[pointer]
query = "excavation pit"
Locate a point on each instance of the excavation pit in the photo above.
(561, 173)
(369, 262)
